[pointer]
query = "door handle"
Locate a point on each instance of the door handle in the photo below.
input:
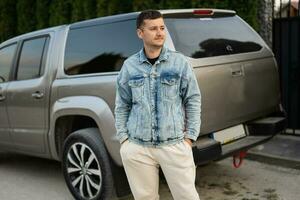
(37, 95)
(2, 98)
(237, 73)
(237, 70)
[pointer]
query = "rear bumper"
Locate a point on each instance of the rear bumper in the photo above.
(206, 149)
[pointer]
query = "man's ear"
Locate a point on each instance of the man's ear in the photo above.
(139, 33)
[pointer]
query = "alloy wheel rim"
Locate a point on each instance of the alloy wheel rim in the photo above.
(84, 170)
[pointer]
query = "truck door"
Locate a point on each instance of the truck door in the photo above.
(28, 97)
(6, 60)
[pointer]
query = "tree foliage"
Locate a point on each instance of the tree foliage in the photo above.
(8, 18)
(21, 16)
(27, 19)
(42, 13)
(60, 12)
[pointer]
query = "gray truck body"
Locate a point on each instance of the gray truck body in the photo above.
(37, 114)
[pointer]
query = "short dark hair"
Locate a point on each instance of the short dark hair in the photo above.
(147, 14)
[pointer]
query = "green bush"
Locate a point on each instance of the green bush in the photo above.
(21, 16)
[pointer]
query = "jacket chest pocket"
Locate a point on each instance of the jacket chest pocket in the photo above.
(137, 88)
(169, 86)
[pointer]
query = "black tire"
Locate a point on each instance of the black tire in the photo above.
(87, 180)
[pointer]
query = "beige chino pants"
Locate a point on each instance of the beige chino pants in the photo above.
(142, 163)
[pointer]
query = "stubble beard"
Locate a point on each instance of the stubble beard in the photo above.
(158, 46)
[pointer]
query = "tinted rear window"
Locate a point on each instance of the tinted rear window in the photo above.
(6, 60)
(206, 37)
(31, 59)
(100, 48)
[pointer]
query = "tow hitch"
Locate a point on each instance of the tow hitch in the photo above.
(238, 158)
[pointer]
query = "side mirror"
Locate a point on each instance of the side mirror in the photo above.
(2, 79)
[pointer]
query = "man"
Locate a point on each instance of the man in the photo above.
(157, 115)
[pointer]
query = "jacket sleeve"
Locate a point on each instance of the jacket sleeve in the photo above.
(122, 104)
(191, 98)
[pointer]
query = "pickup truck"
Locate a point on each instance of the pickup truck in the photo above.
(57, 92)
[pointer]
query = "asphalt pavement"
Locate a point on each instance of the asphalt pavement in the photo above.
(30, 178)
(283, 150)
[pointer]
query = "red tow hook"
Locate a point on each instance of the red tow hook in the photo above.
(238, 158)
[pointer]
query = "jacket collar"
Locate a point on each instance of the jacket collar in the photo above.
(164, 55)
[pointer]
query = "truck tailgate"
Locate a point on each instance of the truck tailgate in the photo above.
(237, 92)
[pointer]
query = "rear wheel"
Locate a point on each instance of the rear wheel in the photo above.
(86, 166)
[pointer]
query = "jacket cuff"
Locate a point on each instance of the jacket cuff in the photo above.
(123, 138)
(191, 137)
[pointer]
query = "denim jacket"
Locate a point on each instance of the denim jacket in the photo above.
(157, 104)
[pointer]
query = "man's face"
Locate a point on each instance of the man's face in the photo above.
(152, 32)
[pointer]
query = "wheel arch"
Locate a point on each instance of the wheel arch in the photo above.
(73, 113)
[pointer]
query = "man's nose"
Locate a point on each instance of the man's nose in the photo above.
(160, 32)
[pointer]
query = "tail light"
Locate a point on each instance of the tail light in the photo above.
(203, 12)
